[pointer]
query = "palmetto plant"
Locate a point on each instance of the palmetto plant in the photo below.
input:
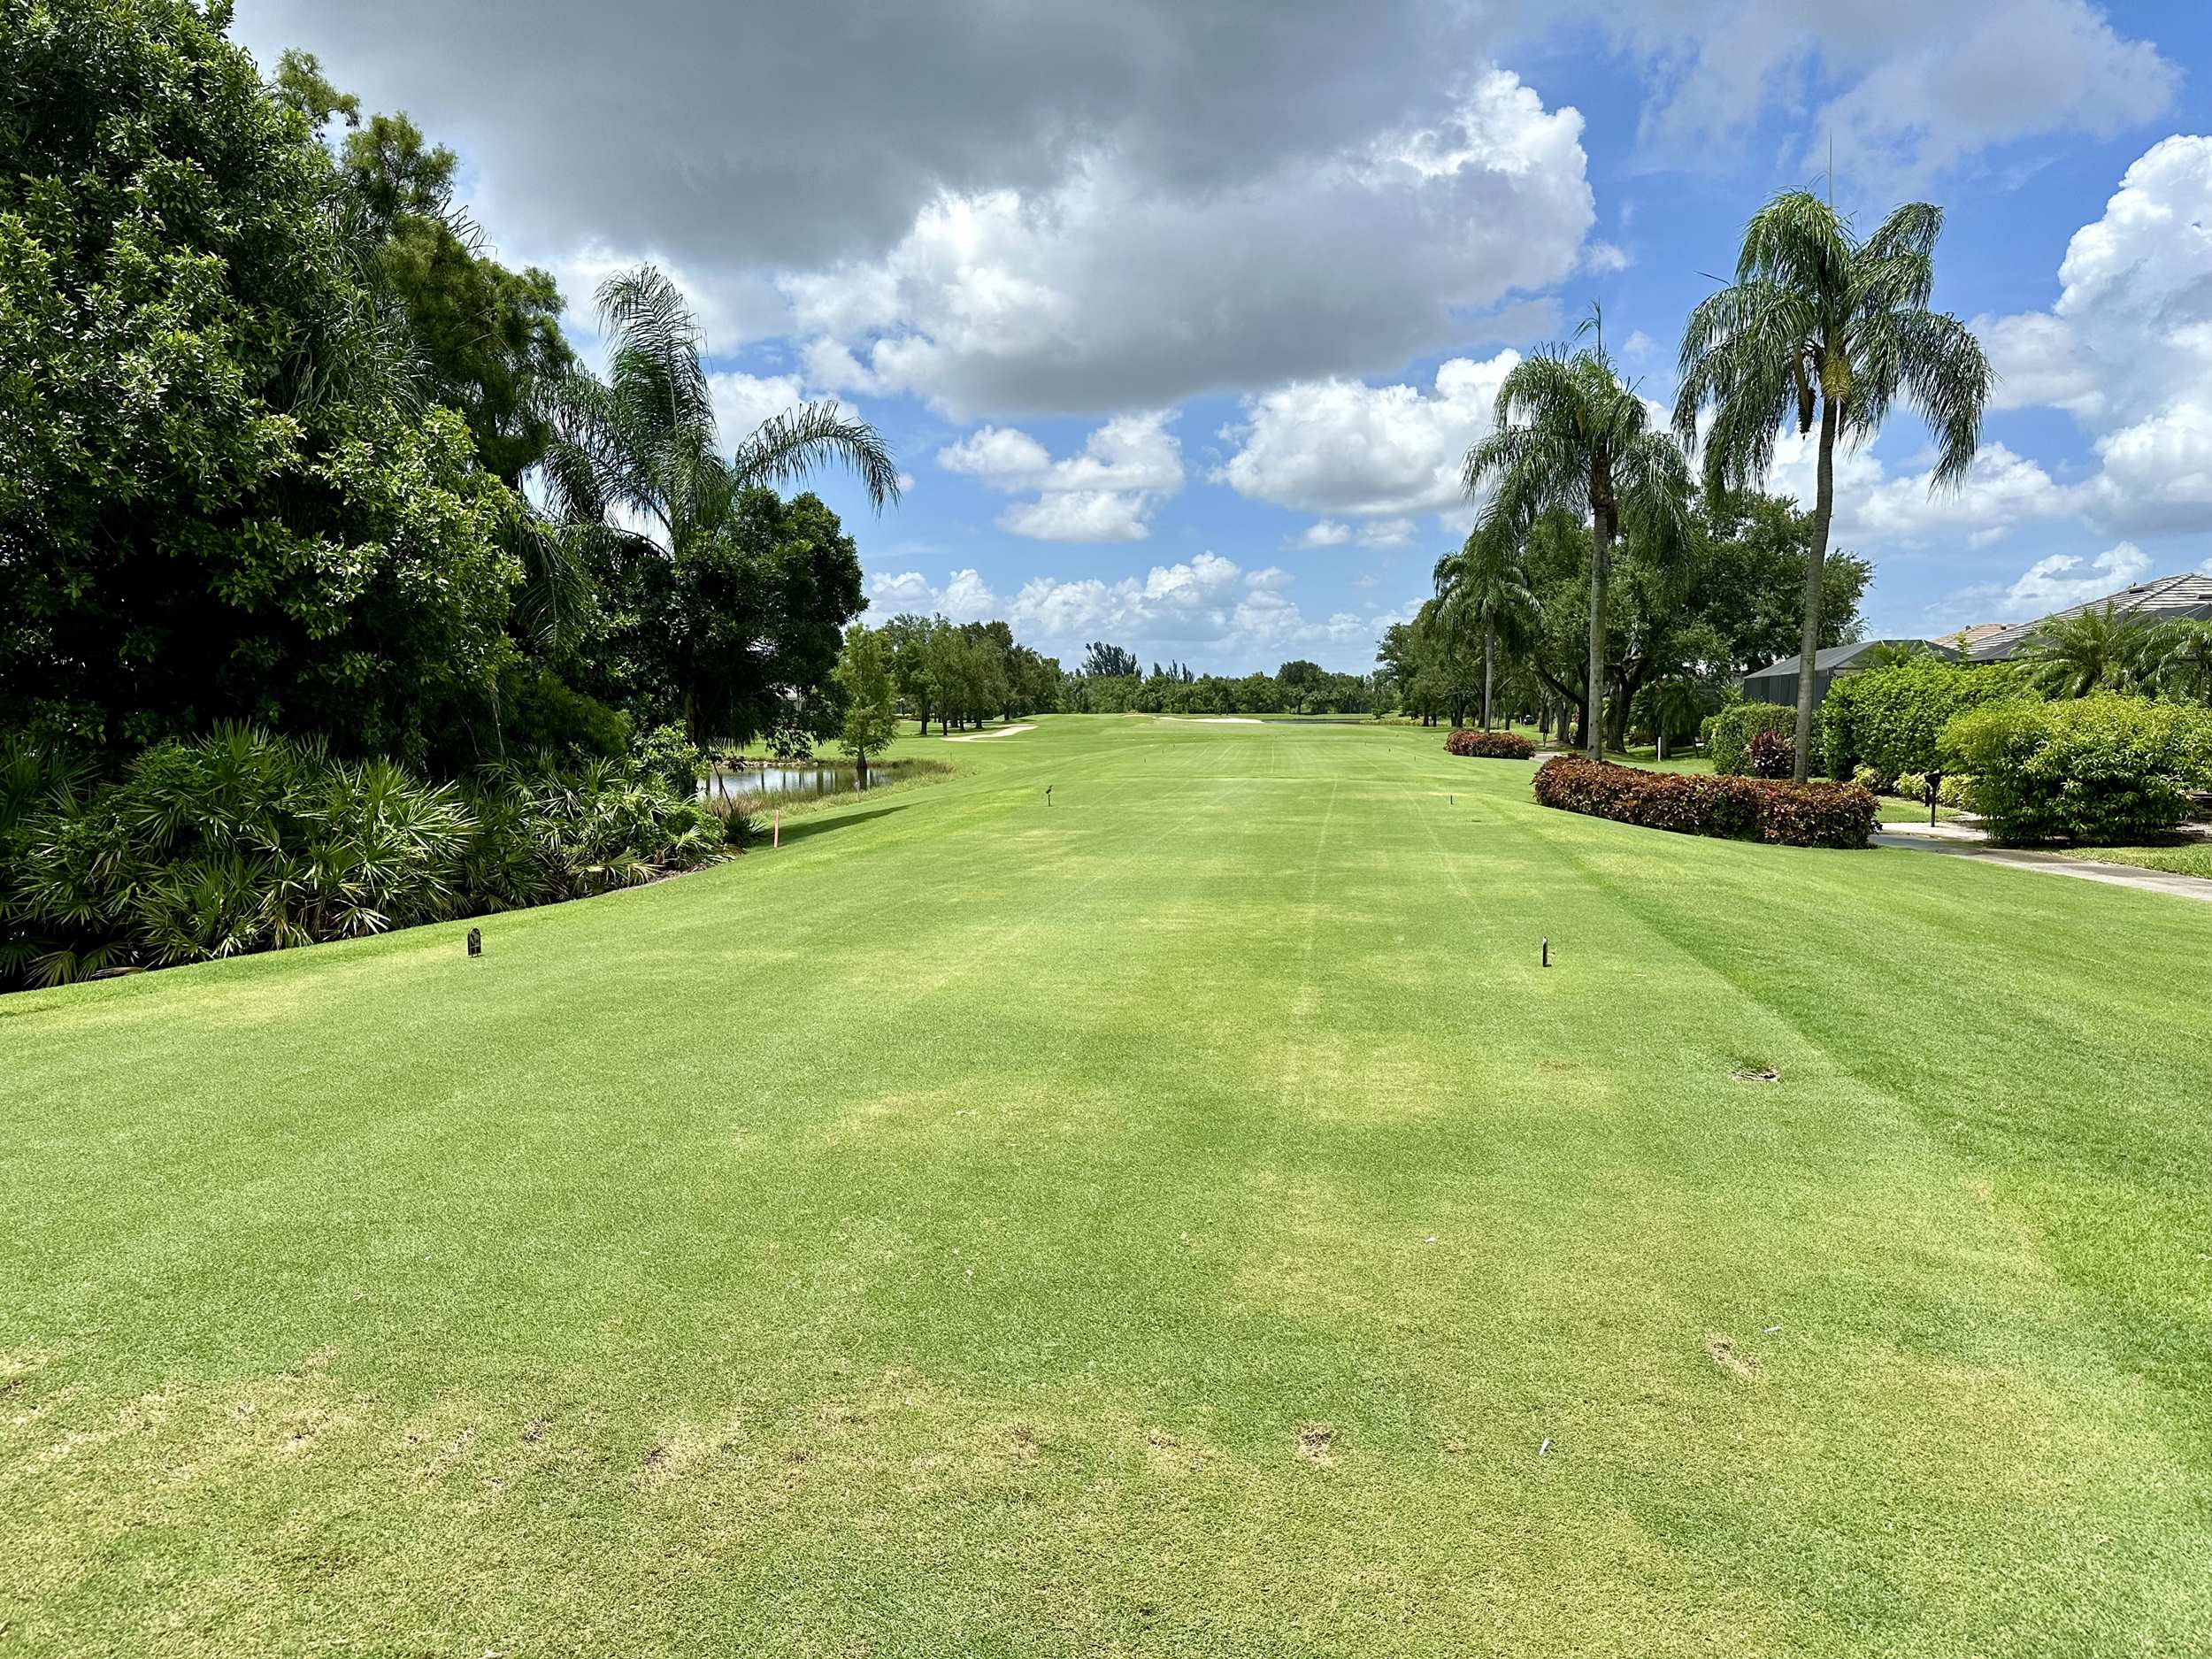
(1571, 435)
(636, 465)
(1485, 585)
(2106, 649)
(1829, 331)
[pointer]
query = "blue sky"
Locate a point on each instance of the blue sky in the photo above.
(1179, 317)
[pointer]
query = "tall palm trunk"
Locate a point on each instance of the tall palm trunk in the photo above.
(1816, 561)
(1489, 651)
(1601, 569)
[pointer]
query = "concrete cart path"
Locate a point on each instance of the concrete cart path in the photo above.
(1963, 843)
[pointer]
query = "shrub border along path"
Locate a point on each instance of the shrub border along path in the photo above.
(1728, 808)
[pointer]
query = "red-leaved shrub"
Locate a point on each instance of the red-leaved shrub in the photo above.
(1773, 755)
(1490, 745)
(1734, 808)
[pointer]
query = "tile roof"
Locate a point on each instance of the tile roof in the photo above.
(2166, 598)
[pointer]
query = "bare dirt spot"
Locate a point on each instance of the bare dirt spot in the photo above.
(1317, 1444)
(1025, 1441)
(1757, 1074)
(1725, 1355)
(533, 1430)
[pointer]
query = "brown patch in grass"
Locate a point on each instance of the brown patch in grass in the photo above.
(1168, 1454)
(1317, 1444)
(533, 1430)
(1725, 1355)
(1025, 1448)
(1757, 1074)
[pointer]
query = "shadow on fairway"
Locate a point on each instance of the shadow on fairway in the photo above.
(807, 827)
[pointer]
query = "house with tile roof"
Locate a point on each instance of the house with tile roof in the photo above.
(2187, 597)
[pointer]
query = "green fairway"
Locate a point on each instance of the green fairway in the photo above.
(1184, 1218)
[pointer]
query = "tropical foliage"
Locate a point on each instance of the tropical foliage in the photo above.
(240, 841)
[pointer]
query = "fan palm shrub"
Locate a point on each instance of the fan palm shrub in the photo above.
(1829, 331)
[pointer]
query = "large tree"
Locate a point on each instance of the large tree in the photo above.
(1570, 436)
(224, 492)
(489, 338)
(1828, 331)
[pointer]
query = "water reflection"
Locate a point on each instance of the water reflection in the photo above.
(802, 779)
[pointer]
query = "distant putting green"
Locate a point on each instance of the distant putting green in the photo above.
(1184, 1218)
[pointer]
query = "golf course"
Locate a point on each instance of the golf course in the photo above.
(1184, 1215)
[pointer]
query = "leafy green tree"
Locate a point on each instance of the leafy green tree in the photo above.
(1831, 330)
(733, 634)
(488, 339)
(871, 715)
(1570, 437)
(222, 492)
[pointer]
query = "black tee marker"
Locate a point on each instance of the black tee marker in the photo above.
(1048, 794)
(476, 942)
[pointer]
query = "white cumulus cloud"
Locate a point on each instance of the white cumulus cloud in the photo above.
(1341, 446)
(1107, 493)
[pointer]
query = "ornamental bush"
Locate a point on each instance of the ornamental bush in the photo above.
(1489, 745)
(1728, 734)
(2104, 768)
(1732, 808)
(1773, 755)
(1891, 719)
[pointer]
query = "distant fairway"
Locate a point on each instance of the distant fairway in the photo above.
(1182, 1219)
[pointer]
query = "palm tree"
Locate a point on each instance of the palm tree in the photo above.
(1832, 330)
(2180, 657)
(635, 466)
(1572, 437)
(1486, 582)
(2105, 648)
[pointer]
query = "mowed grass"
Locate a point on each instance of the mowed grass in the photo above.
(1185, 1219)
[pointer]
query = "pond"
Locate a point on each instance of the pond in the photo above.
(799, 778)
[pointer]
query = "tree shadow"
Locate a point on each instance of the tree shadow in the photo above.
(807, 827)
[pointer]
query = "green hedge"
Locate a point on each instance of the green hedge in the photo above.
(1728, 734)
(1891, 721)
(2106, 768)
(1733, 809)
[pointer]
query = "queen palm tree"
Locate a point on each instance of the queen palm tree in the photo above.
(1833, 330)
(1485, 582)
(636, 456)
(1571, 435)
